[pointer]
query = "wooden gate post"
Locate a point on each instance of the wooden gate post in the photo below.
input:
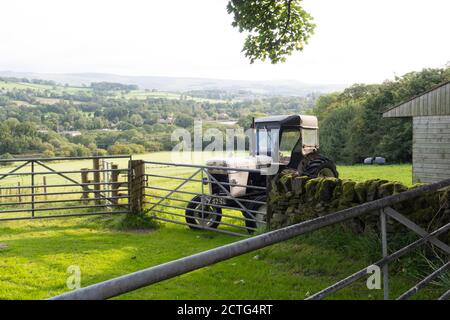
(44, 184)
(97, 181)
(114, 184)
(137, 186)
(84, 181)
(19, 192)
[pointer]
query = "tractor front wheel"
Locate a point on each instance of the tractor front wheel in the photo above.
(197, 218)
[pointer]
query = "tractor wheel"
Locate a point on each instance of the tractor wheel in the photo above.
(321, 167)
(261, 216)
(210, 217)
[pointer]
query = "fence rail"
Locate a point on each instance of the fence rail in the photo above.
(142, 278)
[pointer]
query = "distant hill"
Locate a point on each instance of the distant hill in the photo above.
(179, 84)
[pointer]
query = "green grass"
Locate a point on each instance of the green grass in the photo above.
(40, 87)
(144, 94)
(396, 172)
(38, 253)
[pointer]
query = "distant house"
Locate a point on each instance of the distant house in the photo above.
(223, 116)
(430, 112)
(71, 133)
(108, 130)
(168, 120)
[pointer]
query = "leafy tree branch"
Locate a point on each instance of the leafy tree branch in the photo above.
(275, 28)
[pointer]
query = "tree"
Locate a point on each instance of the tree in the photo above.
(245, 122)
(275, 27)
(184, 121)
(136, 120)
(6, 156)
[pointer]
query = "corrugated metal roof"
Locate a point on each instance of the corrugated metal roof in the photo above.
(434, 102)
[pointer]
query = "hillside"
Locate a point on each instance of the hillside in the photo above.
(45, 117)
(180, 84)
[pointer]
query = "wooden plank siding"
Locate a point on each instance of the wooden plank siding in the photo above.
(431, 148)
(435, 102)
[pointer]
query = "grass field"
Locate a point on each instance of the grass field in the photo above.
(35, 255)
(144, 94)
(40, 87)
(132, 94)
(397, 172)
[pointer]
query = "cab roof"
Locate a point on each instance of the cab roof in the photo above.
(304, 121)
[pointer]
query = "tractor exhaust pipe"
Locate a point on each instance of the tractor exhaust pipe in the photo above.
(252, 137)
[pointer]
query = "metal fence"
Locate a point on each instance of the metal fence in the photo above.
(174, 193)
(54, 187)
(142, 278)
(205, 197)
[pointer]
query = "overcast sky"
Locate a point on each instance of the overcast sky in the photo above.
(355, 40)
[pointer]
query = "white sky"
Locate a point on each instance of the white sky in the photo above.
(355, 40)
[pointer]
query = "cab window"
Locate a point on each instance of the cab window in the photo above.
(289, 139)
(267, 138)
(263, 137)
(310, 138)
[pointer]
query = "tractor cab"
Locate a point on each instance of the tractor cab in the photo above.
(286, 139)
(290, 141)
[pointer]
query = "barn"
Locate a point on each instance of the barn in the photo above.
(430, 114)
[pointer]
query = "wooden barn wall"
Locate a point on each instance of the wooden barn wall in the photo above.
(431, 148)
(433, 103)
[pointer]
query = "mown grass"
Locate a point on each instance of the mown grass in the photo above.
(35, 255)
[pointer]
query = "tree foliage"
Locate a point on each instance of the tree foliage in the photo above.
(40, 121)
(275, 27)
(351, 123)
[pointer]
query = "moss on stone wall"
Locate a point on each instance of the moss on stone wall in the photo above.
(293, 198)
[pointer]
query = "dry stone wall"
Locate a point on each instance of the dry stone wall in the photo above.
(293, 198)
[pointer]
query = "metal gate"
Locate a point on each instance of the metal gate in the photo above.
(192, 195)
(56, 187)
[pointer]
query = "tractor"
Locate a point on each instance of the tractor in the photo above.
(289, 141)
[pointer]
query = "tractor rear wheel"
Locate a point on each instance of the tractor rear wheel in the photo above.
(321, 167)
